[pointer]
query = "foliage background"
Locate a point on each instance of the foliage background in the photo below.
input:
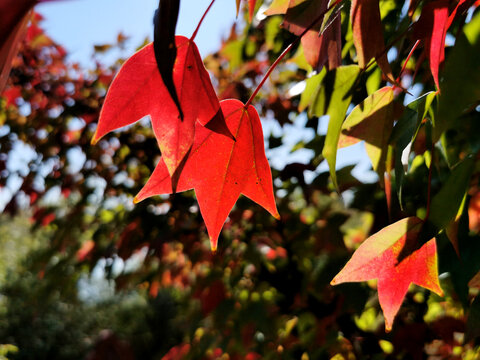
(85, 274)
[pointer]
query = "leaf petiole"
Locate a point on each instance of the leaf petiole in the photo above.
(201, 21)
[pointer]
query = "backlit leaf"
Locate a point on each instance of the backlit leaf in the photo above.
(460, 79)
(377, 258)
(318, 50)
(368, 34)
(138, 90)
(371, 121)
(238, 167)
(432, 27)
(329, 93)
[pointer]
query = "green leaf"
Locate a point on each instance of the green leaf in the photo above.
(447, 201)
(333, 100)
(371, 121)
(461, 78)
(405, 132)
(272, 30)
(300, 60)
(329, 93)
(312, 88)
(233, 51)
(374, 80)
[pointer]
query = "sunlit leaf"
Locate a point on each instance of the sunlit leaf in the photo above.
(371, 121)
(138, 90)
(404, 133)
(329, 93)
(318, 49)
(460, 79)
(377, 258)
(238, 167)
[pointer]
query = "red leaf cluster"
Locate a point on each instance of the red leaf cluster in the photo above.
(199, 151)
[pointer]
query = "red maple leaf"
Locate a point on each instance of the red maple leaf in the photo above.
(220, 169)
(378, 258)
(138, 90)
(432, 26)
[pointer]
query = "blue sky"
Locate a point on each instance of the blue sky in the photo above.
(80, 24)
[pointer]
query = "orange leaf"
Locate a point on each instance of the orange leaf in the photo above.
(138, 90)
(220, 169)
(377, 258)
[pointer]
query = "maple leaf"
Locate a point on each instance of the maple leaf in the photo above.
(319, 49)
(220, 169)
(320, 100)
(138, 90)
(368, 34)
(432, 26)
(371, 121)
(377, 258)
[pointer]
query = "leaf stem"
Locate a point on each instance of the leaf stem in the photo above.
(406, 61)
(287, 49)
(201, 21)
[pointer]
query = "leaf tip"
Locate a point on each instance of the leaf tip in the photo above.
(136, 200)
(277, 215)
(214, 248)
(95, 138)
(439, 291)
